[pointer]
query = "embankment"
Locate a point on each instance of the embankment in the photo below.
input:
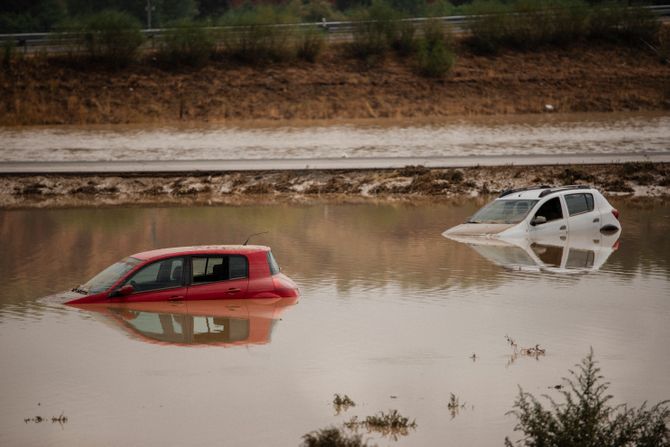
(409, 183)
(600, 77)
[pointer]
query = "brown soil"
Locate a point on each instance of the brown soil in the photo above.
(598, 78)
(410, 183)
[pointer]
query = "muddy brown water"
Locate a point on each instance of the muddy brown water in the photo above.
(389, 308)
(555, 134)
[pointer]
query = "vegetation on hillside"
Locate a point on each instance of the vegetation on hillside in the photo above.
(261, 34)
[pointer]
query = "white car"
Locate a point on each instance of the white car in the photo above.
(542, 212)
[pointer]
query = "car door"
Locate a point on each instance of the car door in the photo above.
(583, 216)
(218, 277)
(556, 223)
(158, 281)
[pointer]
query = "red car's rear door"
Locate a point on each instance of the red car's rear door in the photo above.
(215, 277)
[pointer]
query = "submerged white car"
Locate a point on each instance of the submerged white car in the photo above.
(541, 212)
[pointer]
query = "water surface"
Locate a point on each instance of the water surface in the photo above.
(389, 308)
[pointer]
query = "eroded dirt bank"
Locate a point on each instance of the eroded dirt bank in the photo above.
(598, 78)
(409, 183)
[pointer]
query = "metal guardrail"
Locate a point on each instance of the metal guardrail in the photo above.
(335, 30)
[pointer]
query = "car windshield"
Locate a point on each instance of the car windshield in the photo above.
(104, 280)
(503, 211)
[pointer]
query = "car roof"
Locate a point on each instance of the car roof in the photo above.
(199, 250)
(537, 192)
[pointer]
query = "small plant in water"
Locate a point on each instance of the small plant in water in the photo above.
(454, 405)
(342, 403)
(534, 351)
(332, 437)
(391, 424)
(586, 418)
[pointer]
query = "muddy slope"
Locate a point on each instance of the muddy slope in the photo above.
(598, 78)
(409, 183)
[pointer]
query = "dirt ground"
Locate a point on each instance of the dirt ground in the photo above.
(598, 78)
(409, 183)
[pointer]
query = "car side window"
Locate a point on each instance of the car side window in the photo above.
(579, 203)
(158, 275)
(551, 209)
(208, 269)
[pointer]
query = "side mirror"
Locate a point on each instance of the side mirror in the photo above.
(123, 291)
(538, 220)
(126, 290)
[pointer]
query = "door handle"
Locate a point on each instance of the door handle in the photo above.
(563, 227)
(597, 219)
(234, 290)
(176, 297)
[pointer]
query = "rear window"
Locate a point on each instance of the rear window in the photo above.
(218, 268)
(579, 203)
(274, 267)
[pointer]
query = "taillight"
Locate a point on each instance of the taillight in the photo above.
(615, 247)
(615, 213)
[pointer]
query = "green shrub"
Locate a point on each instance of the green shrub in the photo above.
(619, 22)
(435, 58)
(586, 419)
(527, 24)
(186, 43)
(259, 35)
(8, 47)
(108, 37)
(488, 26)
(375, 30)
(405, 43)
(309, 44)
(664, 44)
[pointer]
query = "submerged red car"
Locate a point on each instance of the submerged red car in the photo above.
(189, 273)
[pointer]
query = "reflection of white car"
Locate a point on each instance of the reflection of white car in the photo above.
(578, 252)
(540, 212)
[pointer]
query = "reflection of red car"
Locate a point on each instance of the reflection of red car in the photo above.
(190, 273)
(209, 322)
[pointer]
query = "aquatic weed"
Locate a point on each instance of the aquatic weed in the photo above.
(391, 424)
(332, 437)
(342, 403)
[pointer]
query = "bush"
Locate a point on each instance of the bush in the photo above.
(375, 30)
(619, 22)
(488, 27)
(8, 48)
(434, 57)
(586, 419)
(108, 37)
(309, 44)
(259, 35)
(527, 24)
(186, 43)
(405, 43)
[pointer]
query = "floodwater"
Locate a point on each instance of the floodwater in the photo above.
(390, 314)
(593, 133)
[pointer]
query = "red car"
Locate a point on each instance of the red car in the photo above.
(189, 273)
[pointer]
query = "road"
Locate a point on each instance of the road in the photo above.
(192, 166)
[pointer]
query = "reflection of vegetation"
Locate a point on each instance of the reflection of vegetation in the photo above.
(535, 351)
(342, 403)
(332, 437)
(391, 424)
(586, 418)
(454, 405)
